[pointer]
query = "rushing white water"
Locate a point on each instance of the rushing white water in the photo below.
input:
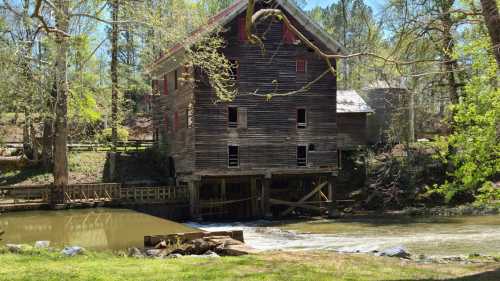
(430, 239)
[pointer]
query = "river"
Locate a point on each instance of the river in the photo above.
(119, 229)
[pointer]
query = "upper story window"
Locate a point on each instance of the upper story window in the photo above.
(301, 155)
(288, 35)
(301, 65)
(233, 156)
(301, 118)
(232, 117)
(242, 35)
(176, 80)
(165, 85)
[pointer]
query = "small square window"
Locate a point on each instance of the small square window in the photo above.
(232, 117)
(301, 155)
(301, 118)
(233, 159)
(301, 66)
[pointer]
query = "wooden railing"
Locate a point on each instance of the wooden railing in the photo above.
(24, 194)
(91, 193)
(126, 146)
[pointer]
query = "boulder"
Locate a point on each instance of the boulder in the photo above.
(156, 253)
(396, 252)
(14, 248)
(72, 251)
(135, 253)
(42, 244)
(226, 246)
(174, 256)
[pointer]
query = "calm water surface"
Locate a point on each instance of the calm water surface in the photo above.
(97, 229)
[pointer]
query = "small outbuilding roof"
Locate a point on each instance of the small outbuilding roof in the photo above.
(349, 101)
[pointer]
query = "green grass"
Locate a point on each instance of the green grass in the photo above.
(268, 266)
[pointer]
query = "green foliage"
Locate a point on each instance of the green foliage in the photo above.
(473, 149)
(105, 135)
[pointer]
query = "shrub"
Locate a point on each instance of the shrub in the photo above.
(105, 135)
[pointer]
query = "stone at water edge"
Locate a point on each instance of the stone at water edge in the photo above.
(14, 248)
(396, 252)
(42, 244)
(135, 253)
(72, 251)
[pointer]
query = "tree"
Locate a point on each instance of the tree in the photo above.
(492, 21)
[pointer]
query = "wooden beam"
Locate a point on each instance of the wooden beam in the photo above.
(309, 195)
(264, 197)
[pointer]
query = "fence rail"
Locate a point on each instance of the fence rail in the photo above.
(115, 193)
(126, 146)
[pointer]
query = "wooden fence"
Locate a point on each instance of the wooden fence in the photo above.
(125, 146)
(17, 197)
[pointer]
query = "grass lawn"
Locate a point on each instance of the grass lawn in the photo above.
(268, 266)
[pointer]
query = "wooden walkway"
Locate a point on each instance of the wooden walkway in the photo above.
(44, 196)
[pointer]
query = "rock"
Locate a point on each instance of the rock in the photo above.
(174, 256)
(211, 254)
(14, 248)
(156, 253)
(359, 249)
(230, 247)
(42, 244)
(135, 252)
(200, 246)
(72, 251)
(396, 252)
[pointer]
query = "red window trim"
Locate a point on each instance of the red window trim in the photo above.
(165, 85)
(288, 36)
(242, 35)
(301, 65)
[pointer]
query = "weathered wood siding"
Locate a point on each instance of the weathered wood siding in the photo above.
(352, 130)
(271, 137)
(176, 141)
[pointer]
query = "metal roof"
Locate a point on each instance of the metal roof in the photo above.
(349, 101)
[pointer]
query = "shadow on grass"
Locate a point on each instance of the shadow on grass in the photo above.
(19, 176)
(492, 275)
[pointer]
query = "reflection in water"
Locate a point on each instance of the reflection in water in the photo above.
(97, 229)
(434, 237)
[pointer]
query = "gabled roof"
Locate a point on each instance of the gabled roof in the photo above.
(225, 16)
(349, 101)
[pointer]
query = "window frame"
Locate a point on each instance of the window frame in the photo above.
(301, 125)
(232, 124)
(302, 161)
(301, 71)
(229, 146)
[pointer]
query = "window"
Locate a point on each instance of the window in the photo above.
(176, 80)
(233, 158)
(312, 147)
(301, 65)
(232, 117)
(301, 118)
(301, 155)
(288, 35)
(235, 69)
(189, 116)
(242, 35)
(165, 85)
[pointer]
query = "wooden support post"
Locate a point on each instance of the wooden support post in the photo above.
(194, 199)
(223, 189)
(253, 195)
(264, 197)
(332, 208)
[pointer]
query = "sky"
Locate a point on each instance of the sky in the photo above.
(375, 4)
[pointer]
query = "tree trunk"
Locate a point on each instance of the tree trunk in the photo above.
(448, 49)
(114, 74)
(61, 107)
(47, 137)
(492, 21)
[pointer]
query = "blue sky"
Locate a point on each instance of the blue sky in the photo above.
(375, 4)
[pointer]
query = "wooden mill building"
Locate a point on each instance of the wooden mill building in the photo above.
(252, 156)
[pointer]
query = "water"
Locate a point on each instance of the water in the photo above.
(431, 237)
(96, 229)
